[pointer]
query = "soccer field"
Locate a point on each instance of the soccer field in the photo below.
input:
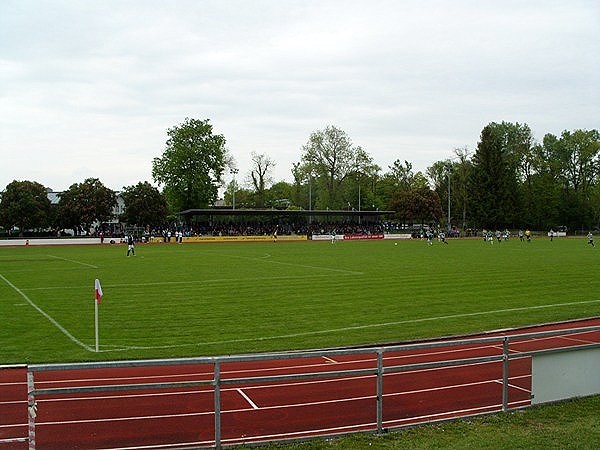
(207, 299)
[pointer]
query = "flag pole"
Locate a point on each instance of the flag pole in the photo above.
(96, 321)
(97, 297)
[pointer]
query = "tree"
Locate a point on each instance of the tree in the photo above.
(24, 204)
(333, 157)
(144, 205)
(260, 176)
(494, 181)
(280, 194)
(85, 203)
(401, 175)
(192, 165)
(244, 198)
(419, 204)
(457, 172)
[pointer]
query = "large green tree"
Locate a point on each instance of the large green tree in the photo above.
(192, 165)
(579, 155)
(85, 203)
(333, 158)
(494, 180)
(417, 205)
(144, 205)
(24, 204)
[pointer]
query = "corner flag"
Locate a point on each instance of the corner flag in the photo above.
(98, 291)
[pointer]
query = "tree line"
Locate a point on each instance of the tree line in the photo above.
(508, 181)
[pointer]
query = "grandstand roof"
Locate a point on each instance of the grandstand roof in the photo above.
(282, 212)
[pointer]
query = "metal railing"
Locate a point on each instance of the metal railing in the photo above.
(217, 381)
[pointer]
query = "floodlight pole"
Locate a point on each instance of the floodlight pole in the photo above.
(358, 178)
(233, 172)
(310, 173)
(449, 200)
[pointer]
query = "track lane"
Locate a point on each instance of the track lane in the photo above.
(264, 411)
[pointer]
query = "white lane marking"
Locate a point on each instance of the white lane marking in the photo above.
(459, 411)
(47, 316)
(14, 402)
(271, 369)
(584, 341)
(328, 359)
(291, 384)
(514, 386)
(292, 405)
(247, 399)
(74, 261)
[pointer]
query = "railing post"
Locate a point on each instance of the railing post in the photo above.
(379, 391)
(505, 374)
(217, 405)
(31, 410)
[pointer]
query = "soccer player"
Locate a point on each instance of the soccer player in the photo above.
(521, 236)
(429, 237)
(590, 237)
(275, 235)
(333, 236)
(442, 237)
(528, 235)
(130, 245)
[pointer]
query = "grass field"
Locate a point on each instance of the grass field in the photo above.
(206, 299)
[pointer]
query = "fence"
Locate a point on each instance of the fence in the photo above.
(375, 404)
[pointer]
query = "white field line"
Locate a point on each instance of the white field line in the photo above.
(247, 399)
(47, 316)
(359, 327)
(74, 261)
(330, 360)
(48, 269)
(172, 283)
(271, 261)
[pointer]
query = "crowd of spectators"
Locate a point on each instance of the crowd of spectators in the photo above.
(263, 229)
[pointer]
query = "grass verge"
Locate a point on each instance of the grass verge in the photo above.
(567, 425)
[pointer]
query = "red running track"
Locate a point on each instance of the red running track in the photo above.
(275, 410)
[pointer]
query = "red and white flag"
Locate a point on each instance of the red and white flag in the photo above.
(98, 291)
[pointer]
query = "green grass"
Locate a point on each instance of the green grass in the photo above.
(207, 299)
(568, 425)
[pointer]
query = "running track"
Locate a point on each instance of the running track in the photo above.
(269, 411)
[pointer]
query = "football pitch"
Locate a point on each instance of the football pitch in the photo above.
(208, 299)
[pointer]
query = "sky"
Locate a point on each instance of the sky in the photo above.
(89, 88)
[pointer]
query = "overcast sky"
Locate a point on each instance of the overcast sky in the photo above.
(89, 88)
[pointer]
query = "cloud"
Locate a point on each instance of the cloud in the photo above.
(92, 87)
